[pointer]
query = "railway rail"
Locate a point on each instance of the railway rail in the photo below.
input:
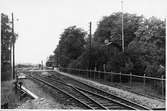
(78, 95)
(96, 90)
(87, 95)
(60, 90)
(106, 103)
(82, 99)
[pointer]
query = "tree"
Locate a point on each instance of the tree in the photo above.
(98, 57)
(7, 39)
(149, 45)
(71, 45)
(109, 28)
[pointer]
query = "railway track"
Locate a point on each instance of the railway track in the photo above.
(104, 102)
(98, 91)
(78, 96)
(91, 99)
(85, 106)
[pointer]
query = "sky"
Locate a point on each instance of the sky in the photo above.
(40, 22)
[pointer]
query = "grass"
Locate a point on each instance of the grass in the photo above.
(137, 87)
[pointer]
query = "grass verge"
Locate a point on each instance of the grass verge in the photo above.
(8, 94)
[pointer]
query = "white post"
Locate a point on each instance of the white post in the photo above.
(130, 79)
(144, 81)
(87, 73)
(162, 85)
(120, 77)
(104, 67)
(94, 76)
(111, 77)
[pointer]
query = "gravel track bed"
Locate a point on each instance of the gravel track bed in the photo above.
(56, 81)
(63, 87)
(67, 89)
(55, 99)
(145, 101)
(83, 86)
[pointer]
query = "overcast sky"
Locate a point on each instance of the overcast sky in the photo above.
(42, 21)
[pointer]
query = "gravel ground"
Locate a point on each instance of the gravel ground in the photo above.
(48, 99)
(36, 104)
(145, 101)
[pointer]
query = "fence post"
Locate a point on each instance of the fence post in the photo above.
(90, 73)
(75, 72)
(162, 85)
(111, 77)
(104, 70)
(144, 81)
(104, 67)
(94, 76)
(82, 73)
(79, 72)
(87, 73)
(99, 74)
(130, 79)
(120, 77)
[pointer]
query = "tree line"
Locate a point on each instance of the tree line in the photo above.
(144, 46)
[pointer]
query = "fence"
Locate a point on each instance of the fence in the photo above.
(141, 83)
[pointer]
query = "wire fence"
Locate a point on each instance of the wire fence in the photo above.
(144, 83)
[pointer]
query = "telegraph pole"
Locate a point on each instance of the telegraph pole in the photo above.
(11, 62)
(13, 40)
(90, 39)
(123, 48)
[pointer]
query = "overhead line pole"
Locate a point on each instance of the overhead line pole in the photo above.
(11, 61)
(13, 47)
(123, 48)
(90, 37)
